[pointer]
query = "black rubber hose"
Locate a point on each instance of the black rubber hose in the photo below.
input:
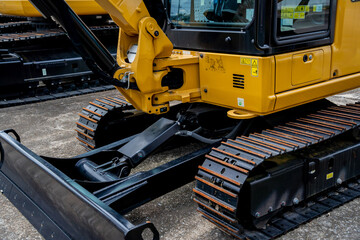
(198, 137)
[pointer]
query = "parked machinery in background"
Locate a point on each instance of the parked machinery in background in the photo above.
(38, 62)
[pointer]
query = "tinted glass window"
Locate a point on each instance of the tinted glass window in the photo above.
(302, 16)
(211, 13)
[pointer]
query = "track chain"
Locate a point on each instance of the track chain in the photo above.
(91, 116)
(53, 96)
(18, 31)
(227, 167)
(26, 36)
(14, 26)
(8, 18)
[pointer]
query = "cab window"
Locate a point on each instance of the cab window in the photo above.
(296, 17)
(211, 13)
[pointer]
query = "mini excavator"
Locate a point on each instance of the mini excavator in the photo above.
(248, 77)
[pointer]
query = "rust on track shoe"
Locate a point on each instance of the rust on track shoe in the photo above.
(226, 168)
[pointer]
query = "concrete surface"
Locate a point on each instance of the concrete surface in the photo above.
(47, 129)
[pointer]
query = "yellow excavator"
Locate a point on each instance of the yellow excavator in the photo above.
(247, 77)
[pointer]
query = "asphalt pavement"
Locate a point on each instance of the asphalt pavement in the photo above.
(47, 128)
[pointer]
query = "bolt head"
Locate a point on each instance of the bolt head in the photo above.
(257, 214)
(228, 39)
(339, 181)
(296, 201)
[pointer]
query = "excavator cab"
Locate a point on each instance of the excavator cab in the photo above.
(248, 26)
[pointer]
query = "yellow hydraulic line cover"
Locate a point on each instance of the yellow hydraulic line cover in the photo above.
(26, 9)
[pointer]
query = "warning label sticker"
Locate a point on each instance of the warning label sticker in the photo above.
(318, 8)
(245, 61)
(287, 15)
(287, 9)
(241, 102)
(299, 15)
(329, 175)
(295, 12)
(300, 8)
(254, 62)
(254, 67)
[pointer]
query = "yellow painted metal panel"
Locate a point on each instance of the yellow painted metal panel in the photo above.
(292, 72)
(238, 82)
(126, 14)
(25, 8)
(346, 46)
(316, 91)
(307, 67)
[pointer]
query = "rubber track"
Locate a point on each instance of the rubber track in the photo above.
(227, 167)
(91, 116)
(25, 36)
(13, 26)
(32, 35)
(53, 96)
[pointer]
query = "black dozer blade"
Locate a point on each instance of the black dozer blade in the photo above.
(60, 207)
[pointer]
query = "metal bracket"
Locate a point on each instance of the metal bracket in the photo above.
(312, 169)
(127, 77)
(17, 137)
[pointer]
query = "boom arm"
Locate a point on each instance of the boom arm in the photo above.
(138, 79)
(84, 40)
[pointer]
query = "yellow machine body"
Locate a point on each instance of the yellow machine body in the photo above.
(26, 9)
(263, 85)
(248, 85)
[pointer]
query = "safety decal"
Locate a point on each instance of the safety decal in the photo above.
(245, 61)
(254, 67)
(241, 102)
(329, 175)
(318, 8)
(297, 12)
(299, 15)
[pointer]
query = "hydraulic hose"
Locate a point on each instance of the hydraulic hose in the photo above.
(198, 137)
